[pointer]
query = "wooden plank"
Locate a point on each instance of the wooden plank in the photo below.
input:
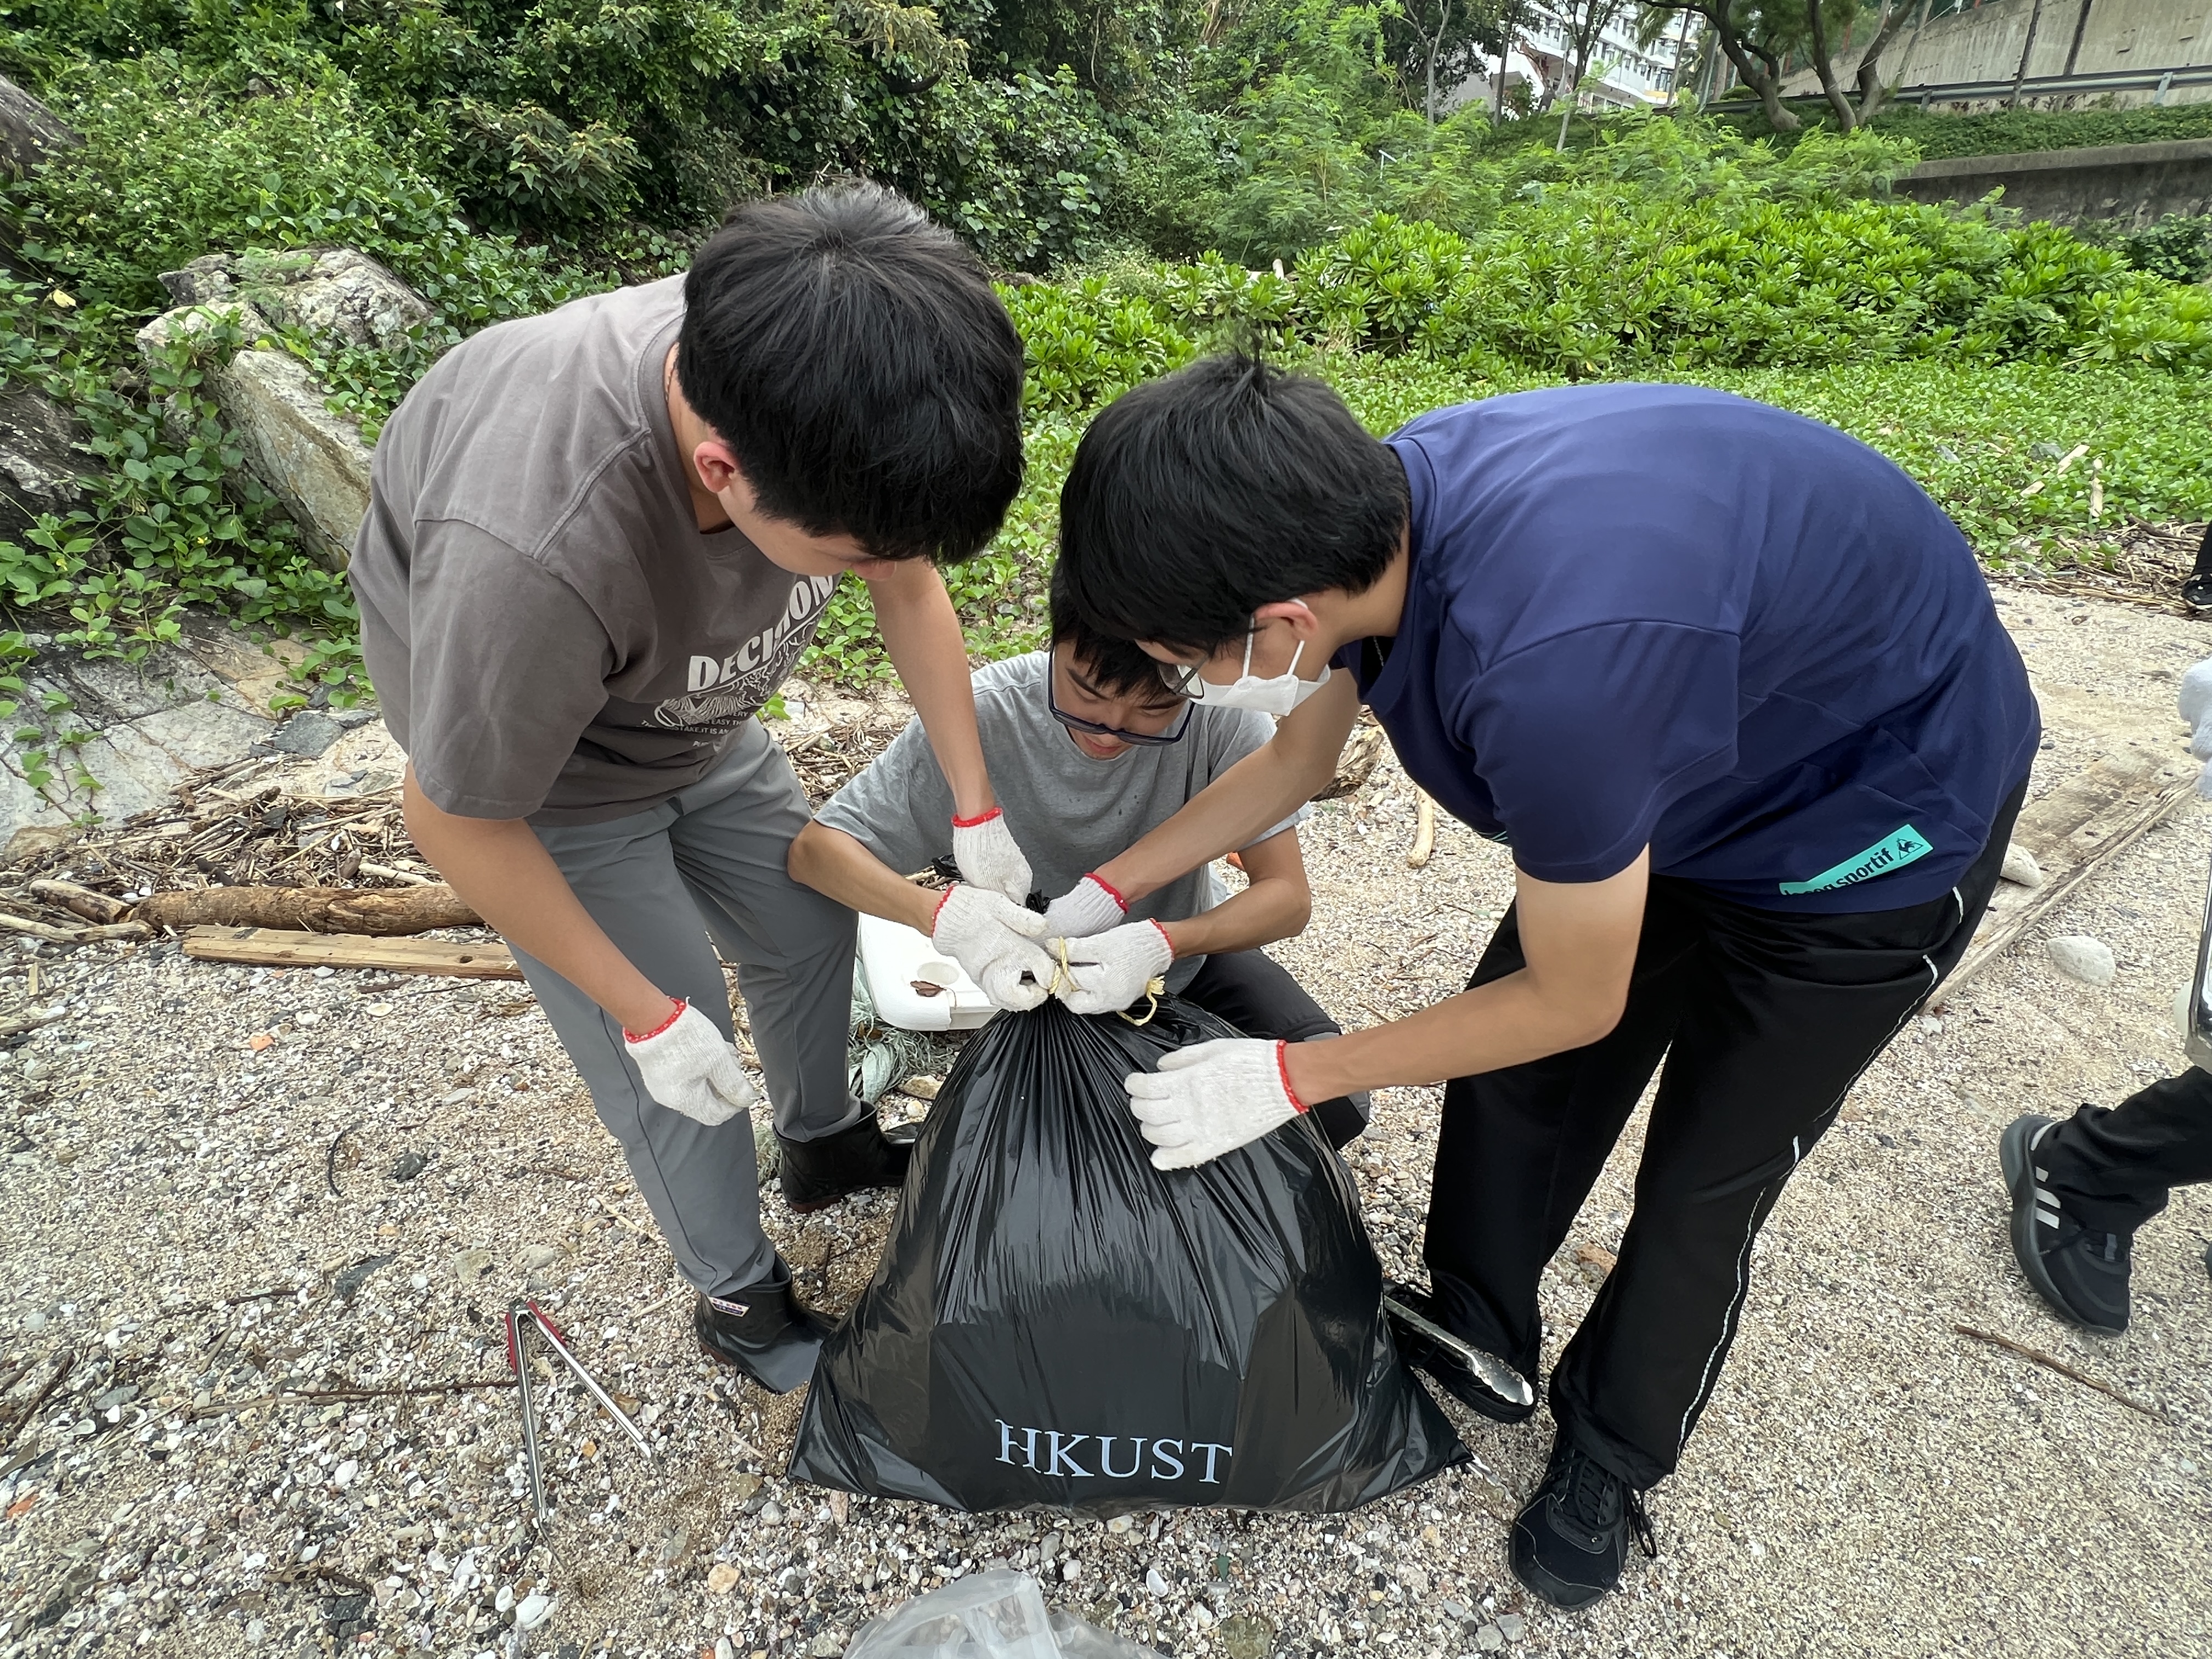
(1994, 941)
(2047, 827)
(276, 947)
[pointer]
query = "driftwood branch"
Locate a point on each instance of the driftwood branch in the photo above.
(1425, 831)
(93, 907)
(2051, 1362)
(276, 947)
(312, 910)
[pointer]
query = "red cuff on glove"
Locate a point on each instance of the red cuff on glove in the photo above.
(1283, 1071)
(959, 823)
(674, 1014)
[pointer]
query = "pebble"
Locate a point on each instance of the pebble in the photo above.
(676, 1546)
(1490, 1638)
(472, 1265)
(540, 1255)
(721, 1578)
(33, 1322)
(2077, 955)
(1156, 1585)
(771, 1512)
(1511, 1625)
(533, 1610)
(409, 1164)
(2019, 866)
(725, 1648)
(826, 1646)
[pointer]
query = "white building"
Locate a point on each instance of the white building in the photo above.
(1622, 73)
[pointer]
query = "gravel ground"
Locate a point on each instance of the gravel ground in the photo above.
(215, 1229)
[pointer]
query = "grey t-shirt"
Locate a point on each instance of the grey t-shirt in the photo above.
(1070, 813)
(550, 633)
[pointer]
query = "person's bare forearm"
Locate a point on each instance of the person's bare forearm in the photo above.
(501, 867)
(1261, 790)
(1263, 912)
(1579, 939)
(922, 635)
(840, 867)
(1507, 1022)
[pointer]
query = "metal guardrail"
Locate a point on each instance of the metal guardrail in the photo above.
(2043, 85)
(2159, 81)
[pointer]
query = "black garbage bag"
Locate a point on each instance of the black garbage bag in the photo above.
(1054, 1322)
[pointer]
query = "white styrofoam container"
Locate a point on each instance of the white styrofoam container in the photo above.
(895, 958)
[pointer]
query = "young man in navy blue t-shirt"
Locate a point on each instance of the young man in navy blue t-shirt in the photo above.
(1731, 688)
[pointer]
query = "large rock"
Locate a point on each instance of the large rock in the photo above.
(148, 725)
(337, 294)
(311, 458)
(29, 132)
(39, 461)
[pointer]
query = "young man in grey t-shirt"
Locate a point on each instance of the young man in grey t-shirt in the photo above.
(597, 540)
(1090, 749)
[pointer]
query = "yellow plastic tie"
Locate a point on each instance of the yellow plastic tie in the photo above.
(1064, 975)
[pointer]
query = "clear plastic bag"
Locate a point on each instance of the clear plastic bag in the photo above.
(998, 1614)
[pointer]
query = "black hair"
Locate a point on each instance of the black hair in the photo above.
(1200, 496)
(1110, 663)
(853, 357)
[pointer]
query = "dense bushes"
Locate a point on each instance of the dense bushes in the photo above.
(1649, 254)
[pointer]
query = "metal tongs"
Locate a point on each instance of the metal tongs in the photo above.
(521, 1312)
(1500, 1378)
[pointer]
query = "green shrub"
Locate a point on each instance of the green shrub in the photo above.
(177, 163)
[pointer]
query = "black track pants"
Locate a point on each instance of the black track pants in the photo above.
(2111, 1169)
(1257, 995)
(1765, 1020)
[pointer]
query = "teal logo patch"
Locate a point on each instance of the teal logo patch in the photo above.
(1893, 852)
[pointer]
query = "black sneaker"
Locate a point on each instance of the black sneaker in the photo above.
(2081, 1272)
(1571, 1543)
(765, 1331)
(1481, 1381)
(816, 1174)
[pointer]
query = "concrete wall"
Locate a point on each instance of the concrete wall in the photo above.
(1983, 43)
(2134, 183)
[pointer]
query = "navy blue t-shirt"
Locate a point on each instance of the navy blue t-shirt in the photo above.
(1666, 616)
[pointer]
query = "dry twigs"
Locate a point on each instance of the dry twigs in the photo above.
(2052, 1363)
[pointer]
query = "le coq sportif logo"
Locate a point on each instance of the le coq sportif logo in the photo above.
(1094, 1456)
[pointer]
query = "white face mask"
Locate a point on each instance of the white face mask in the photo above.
(1277, 694)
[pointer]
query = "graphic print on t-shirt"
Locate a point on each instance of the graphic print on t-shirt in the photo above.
(725, 690)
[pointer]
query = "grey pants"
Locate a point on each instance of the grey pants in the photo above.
(703, 872)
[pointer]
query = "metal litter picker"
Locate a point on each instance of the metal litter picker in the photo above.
(523, 1312)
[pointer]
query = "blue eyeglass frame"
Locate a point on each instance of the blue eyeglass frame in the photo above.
(1077, 723)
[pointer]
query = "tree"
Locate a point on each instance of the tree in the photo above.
(1584, 22)
(1758, 35)
(1440, 43)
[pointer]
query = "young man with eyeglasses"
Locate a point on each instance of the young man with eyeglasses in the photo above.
(1088, 750)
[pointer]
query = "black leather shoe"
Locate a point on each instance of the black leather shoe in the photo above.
(765, 1331)
(816, 1174)
(1481, 1381)
(1571, 1543)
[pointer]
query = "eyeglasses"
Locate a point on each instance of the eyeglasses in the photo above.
(1181, 678)
(1076, 723)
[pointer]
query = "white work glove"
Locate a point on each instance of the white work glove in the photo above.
(1089, 907)
(995, 942)
(1212, 1098)
(2196, 702)
(690, 1067)
(1112, 969)
(985, 850)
